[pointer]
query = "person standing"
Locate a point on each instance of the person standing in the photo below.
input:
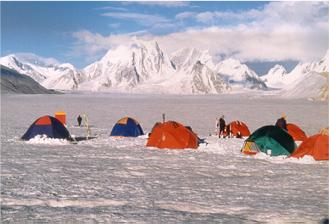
(222, 126)
(79, 120)
(282, 122)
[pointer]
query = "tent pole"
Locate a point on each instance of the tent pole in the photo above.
(88, 132)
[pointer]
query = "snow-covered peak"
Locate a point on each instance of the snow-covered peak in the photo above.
(317, 66)
(307, 80)
(9, 60)
(67, 65)
(126, 66)
(46, 71)
(205, 80)
(239, 74)
(275, 76)
(134, 52)
(322, 65)
(12, 61)
(34, 59)
(302, 69)
(117, 54)
(143, 66)
(231, 63)
(235, 69)
(27, 61)
(189, 56)
(277, 70)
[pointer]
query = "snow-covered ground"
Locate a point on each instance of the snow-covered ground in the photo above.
(119, 180)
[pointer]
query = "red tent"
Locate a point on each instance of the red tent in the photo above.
(172, 135)
(316, 146)
(239, 126)
(296, 132)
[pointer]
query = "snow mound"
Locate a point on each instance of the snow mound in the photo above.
(44, 140)
(284, 159)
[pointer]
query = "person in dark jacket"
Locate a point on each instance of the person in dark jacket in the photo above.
(282, 122)
(79, 120)
(222, 126)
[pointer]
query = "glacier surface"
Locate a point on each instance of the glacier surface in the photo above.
(119, 180)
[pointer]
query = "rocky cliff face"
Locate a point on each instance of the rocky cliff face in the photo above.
(14, 82)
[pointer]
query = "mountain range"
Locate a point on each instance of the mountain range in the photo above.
(143, 67)
(306, 80)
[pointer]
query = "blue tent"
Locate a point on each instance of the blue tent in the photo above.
(127, 127)
(49, 126)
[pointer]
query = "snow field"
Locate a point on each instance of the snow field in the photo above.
(119, 180)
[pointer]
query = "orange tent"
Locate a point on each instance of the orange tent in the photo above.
(316, 146)
(172, 135)
(296, 132)
(239, 126)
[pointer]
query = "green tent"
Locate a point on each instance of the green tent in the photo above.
(271, 140)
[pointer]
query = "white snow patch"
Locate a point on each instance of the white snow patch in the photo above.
(61, 203)
(44, 139)
(199, 208)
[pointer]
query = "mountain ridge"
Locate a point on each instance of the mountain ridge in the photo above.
(143, 67)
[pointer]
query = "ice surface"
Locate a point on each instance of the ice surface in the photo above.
(119, 180)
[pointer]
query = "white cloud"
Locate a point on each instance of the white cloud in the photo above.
(205, 17)
(144, 19)
(184, 15)
(273, 13)
(251, 43)
(91, 46)
(115, 25)
(31, 57)
(279, 31)
(113, 8)
(168, 4)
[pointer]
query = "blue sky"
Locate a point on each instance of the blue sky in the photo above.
(81, 32)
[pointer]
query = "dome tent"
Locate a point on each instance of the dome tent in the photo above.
(239, 126)
(270, 140)
(316, 146)
(49, 126)
(296, 132)
(172, 135)
(127, 127)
